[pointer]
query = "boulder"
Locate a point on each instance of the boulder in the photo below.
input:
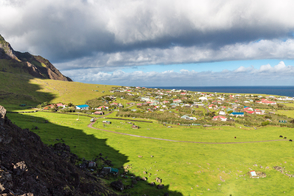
(134, 182)
(117, 185)
(2, 114)
(158, 180)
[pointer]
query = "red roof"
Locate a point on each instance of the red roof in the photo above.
(250, 112)
(219, 117)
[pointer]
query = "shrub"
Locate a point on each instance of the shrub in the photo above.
(264, 123)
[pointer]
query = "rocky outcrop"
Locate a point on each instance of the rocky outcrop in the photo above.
(29, 167)
(36, 66)
(6, 51)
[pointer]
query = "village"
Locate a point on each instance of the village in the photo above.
(184, 108)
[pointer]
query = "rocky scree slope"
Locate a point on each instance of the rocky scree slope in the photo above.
(29, 167)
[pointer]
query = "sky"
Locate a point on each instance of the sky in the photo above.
(158, 42)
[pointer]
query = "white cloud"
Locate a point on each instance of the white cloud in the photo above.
(244, 75)
(122, 33)
(177, 55)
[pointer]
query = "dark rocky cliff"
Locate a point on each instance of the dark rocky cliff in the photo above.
(29, 167)
(35, 66)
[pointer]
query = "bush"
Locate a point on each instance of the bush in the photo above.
(264, 123)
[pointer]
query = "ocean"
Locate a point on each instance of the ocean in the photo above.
(270, 90)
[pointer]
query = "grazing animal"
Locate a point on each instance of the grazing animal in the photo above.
(281, 136)
(290, 140)
(235, 137)
(285, 137)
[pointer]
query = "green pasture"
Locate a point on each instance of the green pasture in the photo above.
(288, 113)
(19, 89)
(71, 92)
(185, 168)
(195, 133)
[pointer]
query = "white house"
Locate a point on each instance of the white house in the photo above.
(222, 118)
(203, 98)
(222, 113)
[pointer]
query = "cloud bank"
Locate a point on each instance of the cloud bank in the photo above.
(113, 34)
(266, 75)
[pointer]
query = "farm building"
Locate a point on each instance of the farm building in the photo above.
(135, 127)
(106, 122)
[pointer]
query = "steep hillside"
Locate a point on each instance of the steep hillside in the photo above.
(29, 167)
(17, 88)
(25, 63)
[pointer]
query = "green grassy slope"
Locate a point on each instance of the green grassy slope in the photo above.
(191, 169)
(19, 88)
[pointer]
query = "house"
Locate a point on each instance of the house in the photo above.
(250, 112)
(212, 106)
(61, 105)
(98, 113)
(221, 118)
(265, 101)
(260, 112)
(237, 114)
(203, 98)
(185, 117)
(222, 113)
(145, 99)
(176, 101)
(82, 107)
(165, 102)
(102, 107)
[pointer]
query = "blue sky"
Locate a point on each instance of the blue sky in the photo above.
(158, 42)
(210, 66)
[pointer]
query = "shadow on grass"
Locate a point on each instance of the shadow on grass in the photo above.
(16, 89)
(90, 147)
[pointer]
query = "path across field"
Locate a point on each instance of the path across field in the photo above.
(154, 138)
(131, 120)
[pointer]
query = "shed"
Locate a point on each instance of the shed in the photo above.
(253, 173)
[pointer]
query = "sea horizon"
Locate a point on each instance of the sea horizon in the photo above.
(269, 90)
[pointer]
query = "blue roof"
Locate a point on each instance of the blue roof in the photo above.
(238, 113)
(83, 106)
(246, 106)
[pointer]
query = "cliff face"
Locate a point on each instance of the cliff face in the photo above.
(29, 167)
(35, 66)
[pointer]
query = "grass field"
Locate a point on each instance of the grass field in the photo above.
(19, 89)
(185, 168)
(289, 113)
